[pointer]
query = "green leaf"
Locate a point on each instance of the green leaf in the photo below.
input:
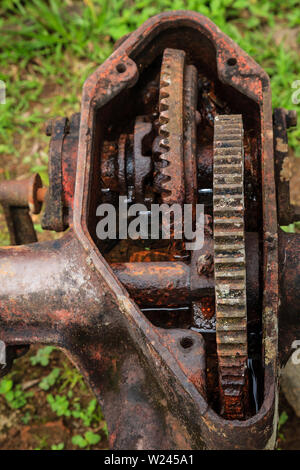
(48, 381)
(26, 418)
(92, 438)
(38, 228)
(59, 404)
(105, 429)
(79, 441)
(288, 228)
(59, 446)
(91, 406)
(5, 386)
(282, 419)
(42, 357)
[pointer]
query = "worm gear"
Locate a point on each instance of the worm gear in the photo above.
(230, 262)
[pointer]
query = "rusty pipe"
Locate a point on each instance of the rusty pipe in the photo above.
(38, 282)
(28, 192)
(19, 198)
(161, 283)
(36, 279)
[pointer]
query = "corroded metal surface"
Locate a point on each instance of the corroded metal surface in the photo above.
(161, 283)
(26, 192)
(230, 262)
(53, 217)
(19, 199)
(62, 168)
(65, 292)
(289, 282)
(287, 213)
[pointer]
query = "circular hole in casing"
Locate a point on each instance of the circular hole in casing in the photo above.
(121, 68)
(231, 61)
(186, 342)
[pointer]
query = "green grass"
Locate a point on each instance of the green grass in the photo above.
(48, 48)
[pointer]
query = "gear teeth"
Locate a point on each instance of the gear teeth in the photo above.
(164, 131)
(171, 127)
(230, 263)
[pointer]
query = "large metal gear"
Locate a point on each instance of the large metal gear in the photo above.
(132, 312)
(178, 98)
(230, 262)
(177, 175)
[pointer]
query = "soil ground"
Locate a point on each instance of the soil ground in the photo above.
(43, 428)
(35, 426)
